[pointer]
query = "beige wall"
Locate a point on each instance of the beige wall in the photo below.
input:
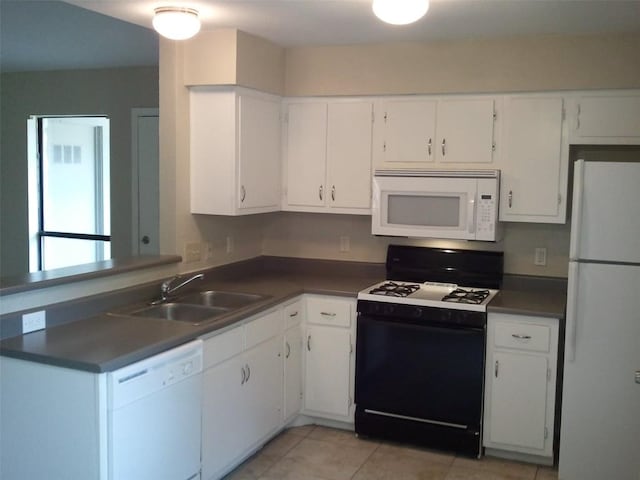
(490, 65)
(112, 92)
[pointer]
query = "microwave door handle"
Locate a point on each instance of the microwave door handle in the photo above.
(472, 215)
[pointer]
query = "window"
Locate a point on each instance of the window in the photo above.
(69, 204)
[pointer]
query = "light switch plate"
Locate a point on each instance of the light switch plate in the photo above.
(540, 256)
(34, 321)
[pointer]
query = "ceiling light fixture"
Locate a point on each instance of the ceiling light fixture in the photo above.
(176, 23)
(400, 12)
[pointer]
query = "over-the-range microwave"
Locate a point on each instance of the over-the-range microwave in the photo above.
(458, 204)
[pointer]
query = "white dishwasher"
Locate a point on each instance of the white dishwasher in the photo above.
(154, 417)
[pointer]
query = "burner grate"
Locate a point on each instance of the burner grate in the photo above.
(460, 295)
(392, 289)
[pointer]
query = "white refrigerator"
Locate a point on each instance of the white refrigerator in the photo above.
(600, 423)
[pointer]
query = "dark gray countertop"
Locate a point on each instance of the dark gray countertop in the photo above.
(536, 303)
(106, 342)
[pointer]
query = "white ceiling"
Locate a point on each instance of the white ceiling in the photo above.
(324, 22)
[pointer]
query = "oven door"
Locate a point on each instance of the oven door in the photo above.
(427, 373)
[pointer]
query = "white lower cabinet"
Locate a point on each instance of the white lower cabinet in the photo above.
(520, 384)
(259, 376)
(293, 391)
(329, 358)
(242, 392)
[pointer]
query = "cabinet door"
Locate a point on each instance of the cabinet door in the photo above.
(349, 155)
(518, 400)
(259, 152)
(306, 154)
(292, 372)
(224, 434)
(530, 183)
(612, 117)
(263, 390)
(409, 131)
(465, 131)
(327, 355)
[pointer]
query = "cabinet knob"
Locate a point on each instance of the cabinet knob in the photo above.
(288, 350)
(146, 240)
(244, 376)
(309, 343)
(510, 198)
(243, 193)
(444, 144)
(320, 192)
(520, 336)
(333, 193)
(637, 376)
(495, 369)
(429, 143)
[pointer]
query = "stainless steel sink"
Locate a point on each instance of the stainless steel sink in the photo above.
(181, 312)
(220, 299)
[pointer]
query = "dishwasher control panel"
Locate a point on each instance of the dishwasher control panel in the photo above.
(147, 376)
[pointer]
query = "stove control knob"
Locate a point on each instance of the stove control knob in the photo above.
(389, 309)
(417, 312)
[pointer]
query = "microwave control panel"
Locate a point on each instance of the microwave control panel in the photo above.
(487, 213)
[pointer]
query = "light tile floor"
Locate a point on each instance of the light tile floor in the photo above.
(320, 453)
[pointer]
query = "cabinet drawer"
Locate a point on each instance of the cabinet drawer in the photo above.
(293, 314)
(223, 346)
(263, 328)
(522, 336)
(334, 312)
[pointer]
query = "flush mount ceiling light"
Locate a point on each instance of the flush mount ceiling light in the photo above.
(176, 23)
(400, 12)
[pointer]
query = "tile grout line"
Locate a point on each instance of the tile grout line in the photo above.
(365, 460)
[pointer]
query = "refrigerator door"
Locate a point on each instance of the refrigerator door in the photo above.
(605, 223)
(601, 397)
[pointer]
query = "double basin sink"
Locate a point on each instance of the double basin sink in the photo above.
(200, 307)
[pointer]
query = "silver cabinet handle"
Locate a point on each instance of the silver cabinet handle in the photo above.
(320, 192)
(243, 193)
(444, 144)
(637, 376)
(520, 336)
(495, 369)
(510, 198)
(578, 118)
(333, 193)
(244, 376)
(309, 343)
(429, 146)
(294, 314)
(288, 350)
(328, 314)
(248, 373)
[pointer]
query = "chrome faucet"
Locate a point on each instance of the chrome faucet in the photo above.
(166, 289)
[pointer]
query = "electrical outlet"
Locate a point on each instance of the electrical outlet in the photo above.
(209, 250)
(540, 256)
(192, 252)
(34, 321)
(229, 244)
(345, 244)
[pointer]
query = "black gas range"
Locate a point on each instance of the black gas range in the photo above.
(421, 345)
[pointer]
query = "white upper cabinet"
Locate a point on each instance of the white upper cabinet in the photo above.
(234, 151)
(436, 132)
(612, 118)
(409, 131)
(534, 169)
(328, 156)
(465, 131)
